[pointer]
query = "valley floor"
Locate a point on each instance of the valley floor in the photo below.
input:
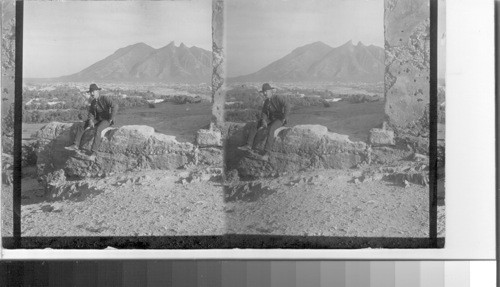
(354, 120)
(181, 121)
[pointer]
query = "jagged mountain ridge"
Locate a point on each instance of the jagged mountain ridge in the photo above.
(318, 61)
(143, 63)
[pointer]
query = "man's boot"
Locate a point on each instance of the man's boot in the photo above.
(72, 147)
(245, 148)
(87, 155)
(265, 156)
(92, 156)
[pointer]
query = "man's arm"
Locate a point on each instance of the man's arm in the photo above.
(264, 115)
(286, 107)
(113, 107)
(90, 114)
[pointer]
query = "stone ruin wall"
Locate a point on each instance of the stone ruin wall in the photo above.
(407, 73)
(8, 31)
(8, 40)
(218, 63)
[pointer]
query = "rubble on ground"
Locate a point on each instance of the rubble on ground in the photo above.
(232, 176)
(201, 175)
(404, 174)
(248, 192)
(53, 180)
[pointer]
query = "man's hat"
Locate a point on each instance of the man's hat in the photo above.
(93, 87)
(266, 87)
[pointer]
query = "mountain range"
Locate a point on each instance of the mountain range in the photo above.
(143, 63)
(315, 62)
(319, 62)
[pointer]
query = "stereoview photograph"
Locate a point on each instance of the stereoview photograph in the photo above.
(226, 124)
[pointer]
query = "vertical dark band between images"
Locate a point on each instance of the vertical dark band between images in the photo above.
(433, 117)
(497, 130)
(17, 125)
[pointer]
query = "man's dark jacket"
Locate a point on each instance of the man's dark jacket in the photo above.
(277, 107)
(102, 108)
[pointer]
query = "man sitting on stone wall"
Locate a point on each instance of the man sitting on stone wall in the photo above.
(102, 112)
(274, 114)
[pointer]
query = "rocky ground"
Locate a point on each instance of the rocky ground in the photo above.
(184, 202)
(6, 207)
(329, 203)
(144, 203)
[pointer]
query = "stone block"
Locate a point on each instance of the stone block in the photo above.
(295, 148)
(122, 149)
(206, 138)
(379, 137)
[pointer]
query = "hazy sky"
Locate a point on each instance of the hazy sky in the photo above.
(62, 38)
(262, 31)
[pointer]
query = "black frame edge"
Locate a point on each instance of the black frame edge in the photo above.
(497, 133)
(433, 117)
(17, 152)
